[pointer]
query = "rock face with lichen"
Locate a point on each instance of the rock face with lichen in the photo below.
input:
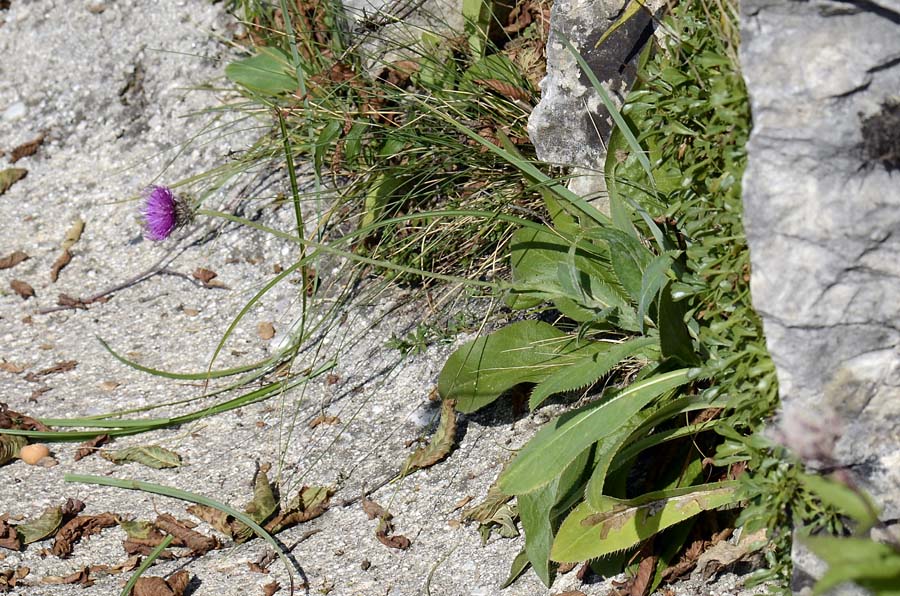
(822, 214)
(570, 125)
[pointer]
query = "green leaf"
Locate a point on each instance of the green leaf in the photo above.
(267, 73)
(10, 445)
(536, 511)
(518, 567)
(629, 258)
(868, 563)
(607, 448)
(477, 15)
(674, 337)
(148, 455)
(42, 527)
(439, 446)
(590, 532)
(561, 440)
(588, 369)
(524, 352)
(849, 502)
(652, 279)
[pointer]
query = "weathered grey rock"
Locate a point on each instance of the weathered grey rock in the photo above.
(822, 214)
(571, 126)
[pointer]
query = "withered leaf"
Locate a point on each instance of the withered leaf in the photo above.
(216, 518)
(323, 419)
(270, 588)
(22, 288)
(90, 446)
(26, 149)
(9, 538)
(256, 567)
(374, 510)
(9, 447)
(59, 367)
(149, 455)
(78, 528)
(13, 259)
(82, 577)
(41, 527)
(507, 90)
(12, 368)
(157, 586)
(310, 502)
(265, 330)
(441, 443)
(261, 508)
(485, 510)
(195, 541)
(204, 275)
(15, 420)
(641, 582)
(398, 541)
(61, 261)
(73, 234)
(71, 302)
(10, 176)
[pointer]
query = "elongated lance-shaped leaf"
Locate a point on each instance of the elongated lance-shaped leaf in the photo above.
(867, 563)
(607, 448)
(588, 369)
(653, 278)
(41, 527)
(524, 352)
(440, 444)
(149, 455)
(561, 440)
(590, 532)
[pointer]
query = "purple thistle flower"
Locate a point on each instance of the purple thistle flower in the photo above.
(163, 212)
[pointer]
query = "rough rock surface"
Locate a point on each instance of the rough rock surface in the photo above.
(570, 125)
(822, 213)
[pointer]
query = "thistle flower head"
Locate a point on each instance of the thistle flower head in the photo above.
(163, 211)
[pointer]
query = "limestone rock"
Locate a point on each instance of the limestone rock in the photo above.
(822, 215)
(570, 126)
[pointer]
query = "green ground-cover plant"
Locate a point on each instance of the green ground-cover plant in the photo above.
(655, 301)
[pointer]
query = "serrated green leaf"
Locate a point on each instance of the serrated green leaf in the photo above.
(42, 527)
(149, 455)
(561, 440)
(524, 352)
(440, 444)
(590, 532)
(607, 448)
(268, 72)
(588, 369)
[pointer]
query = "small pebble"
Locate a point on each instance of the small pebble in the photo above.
(32, 454)
(365, 565)
(14, 111)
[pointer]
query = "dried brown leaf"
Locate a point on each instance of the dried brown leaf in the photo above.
(204, 275)
(22, 288)
(12, 368)
(61, 261)
(441, 443)
(90, 446)
(323, 419)
(507, 90)
(71, 302)
(271, 588)
(157, 586)
(82, 577)
(59, 367)
(310, 502)
(643, 578)
(26, 149)
(15, 420)
(195, 541)
(398, 541)
(78, 528)
(13, 259)
(265, 330)
(374, 510)
(9, 538)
